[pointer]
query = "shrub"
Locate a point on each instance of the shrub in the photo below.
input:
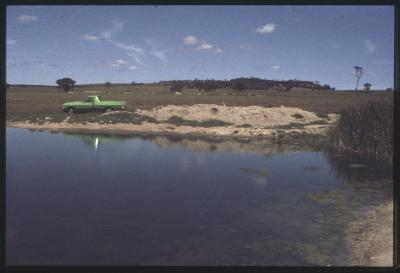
(214, 110)
(176, 87)
(366, 130)
(298, 116)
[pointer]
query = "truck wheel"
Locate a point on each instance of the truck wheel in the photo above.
(71, 111)
(108, 110)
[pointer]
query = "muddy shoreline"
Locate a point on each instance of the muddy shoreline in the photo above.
(372, 237)
(216, 134)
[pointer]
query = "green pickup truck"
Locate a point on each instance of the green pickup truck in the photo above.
(93, 103)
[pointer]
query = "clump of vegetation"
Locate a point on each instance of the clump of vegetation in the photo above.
(238, 86)
(176, 87)
(298, 116)
(322, 115)
(214, 110)
(366, 130)
(246, 125)
(206, 123)
(296, 125)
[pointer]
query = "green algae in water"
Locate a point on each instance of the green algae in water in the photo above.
(255, 171)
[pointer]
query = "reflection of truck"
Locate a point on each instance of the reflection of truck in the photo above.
(93, 103)
(94, 140)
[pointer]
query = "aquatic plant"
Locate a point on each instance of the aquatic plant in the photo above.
(366, 130)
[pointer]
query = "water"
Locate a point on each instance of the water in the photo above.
(96, 200)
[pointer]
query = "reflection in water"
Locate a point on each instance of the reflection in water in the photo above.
(360, 168)
(231, 146)
(93, 140)
(178, 202)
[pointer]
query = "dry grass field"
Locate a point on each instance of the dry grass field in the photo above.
(29, 102)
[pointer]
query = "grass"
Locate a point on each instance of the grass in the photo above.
(31, 102)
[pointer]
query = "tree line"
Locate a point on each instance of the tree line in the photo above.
(239, 84)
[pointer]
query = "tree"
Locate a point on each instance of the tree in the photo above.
(66, 84)
(133, 83)
(358, 71)
(237, 86)
(108, 84)
(367, 86)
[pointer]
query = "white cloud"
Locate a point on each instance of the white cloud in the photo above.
(369, 46)
(190, 40)
(208, 48)
(276, 67)
(120, 61)
(267, 28)
(27, 18)
(128, 47)
(116, 27)
(89, 37)
(204, 46)
(160, 54)
(133, 67)
(133, 51)
(11, 42)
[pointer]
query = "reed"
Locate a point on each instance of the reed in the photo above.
(365, 130)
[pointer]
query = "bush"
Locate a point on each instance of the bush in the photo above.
(366, 130)
(298, 116)
(176, 87)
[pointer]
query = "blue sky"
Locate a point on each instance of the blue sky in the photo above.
(96, 44)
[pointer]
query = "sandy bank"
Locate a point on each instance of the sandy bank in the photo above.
(256, 116)
(238, 122)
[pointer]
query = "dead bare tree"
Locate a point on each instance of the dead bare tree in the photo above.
(358, 71)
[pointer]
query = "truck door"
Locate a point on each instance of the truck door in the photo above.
(87, 104)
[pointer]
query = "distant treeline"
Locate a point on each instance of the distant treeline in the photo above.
(239, 84)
